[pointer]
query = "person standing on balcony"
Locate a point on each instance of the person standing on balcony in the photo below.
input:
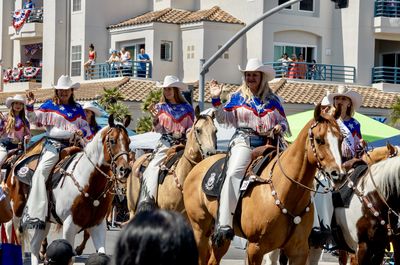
(115, 63)
(88, 65)
(29, 5)
(14, 127)
(285, 60)
(144, 59)
(302, 67)
(294, 67)
(126, 62)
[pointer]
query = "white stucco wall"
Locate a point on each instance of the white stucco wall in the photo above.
(192, 36)
(179, 4)
(5, 42)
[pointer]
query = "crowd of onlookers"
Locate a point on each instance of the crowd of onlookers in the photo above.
(121, 63)
(297, 68)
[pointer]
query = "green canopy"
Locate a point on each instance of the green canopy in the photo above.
(371, 130)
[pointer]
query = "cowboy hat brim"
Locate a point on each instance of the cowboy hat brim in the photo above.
(266, 69)
(95, 110)
(10, 101)
(182, 86)
(356, 98)
(74, 86)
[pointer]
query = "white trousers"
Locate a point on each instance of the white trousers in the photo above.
(3, 155)
(323, 206)
(239, 160)
(150, 176)
(37, 200)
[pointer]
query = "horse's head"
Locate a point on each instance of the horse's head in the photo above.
(381, 153)
(204, 133)
(116, 148)
(325, 142)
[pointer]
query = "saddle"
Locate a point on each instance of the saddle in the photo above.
(169, 163)
(215, 176)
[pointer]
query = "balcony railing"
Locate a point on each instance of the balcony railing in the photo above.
(314, 71)
(36, 16)
(25, 74)
(385, 74)
(106, 70)
(387, 8)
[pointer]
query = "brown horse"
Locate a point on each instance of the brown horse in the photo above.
(201, 142)
(275, 213)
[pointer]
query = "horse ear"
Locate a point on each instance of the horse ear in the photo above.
(317, 112)
(338, 111)
(127, 120)
(111, 121)
(390, 148)
(197, 111)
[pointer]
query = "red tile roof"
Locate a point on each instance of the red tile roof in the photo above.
(178, 16)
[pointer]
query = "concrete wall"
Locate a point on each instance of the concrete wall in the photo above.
(192, 37)
(179, 4)
(5, 43)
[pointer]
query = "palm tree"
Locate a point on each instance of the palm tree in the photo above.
(395, 114)
(145, 124)
(110, 96)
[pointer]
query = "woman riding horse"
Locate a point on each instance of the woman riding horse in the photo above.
(253, 110)
(14, 127)
(91, 112)
(172, 117)
(62, 117)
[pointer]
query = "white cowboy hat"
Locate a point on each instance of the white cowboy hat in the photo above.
(255, 65)
(65, 82)
(325, 102)
(16, 98)
(92, 107)
(356, 98)
(172, 81)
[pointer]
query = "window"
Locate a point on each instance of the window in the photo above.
(76, 60)
(166, 50)
(284, 1)
(307, 5)
(190, 52)
(225, 55)
(76, 5)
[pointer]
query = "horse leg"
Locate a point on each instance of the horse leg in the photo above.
(98, 234)
(43, 248)
(254, 254)
(218, 252)
(314, 256)
(36, 242)
(297, 253)
(79, 249)
(203, 245)
(343, 257)
(69, 230)
(362, 253)
(272, 257)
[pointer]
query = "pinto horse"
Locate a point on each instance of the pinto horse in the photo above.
(276, 212)
(201, 142)
(84, 195)
(373, 217)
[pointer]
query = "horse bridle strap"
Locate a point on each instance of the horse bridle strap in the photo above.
(112, 156)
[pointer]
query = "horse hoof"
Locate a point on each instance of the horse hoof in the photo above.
(42, 255)
(222, 234)
(78, 251)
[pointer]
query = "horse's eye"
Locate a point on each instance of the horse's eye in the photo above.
(198, 130)
(319, 141)
(112, 141)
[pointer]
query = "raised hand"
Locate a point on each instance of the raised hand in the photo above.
(215, 89)
(30, 98)
(153, 110)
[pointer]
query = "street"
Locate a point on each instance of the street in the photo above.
(235, 255)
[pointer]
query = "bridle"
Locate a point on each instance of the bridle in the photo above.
(113, 164)
(196, 138)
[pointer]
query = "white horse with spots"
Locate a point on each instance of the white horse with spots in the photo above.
(84, 194)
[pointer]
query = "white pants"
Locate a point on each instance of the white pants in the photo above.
(37, 200)
(239, 160)
(150, 176)
(323, 206)
(3, 155)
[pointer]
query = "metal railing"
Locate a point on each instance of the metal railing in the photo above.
(314, 71)
(35, 16)
(109, 70)
(387, 8)
(386, 74)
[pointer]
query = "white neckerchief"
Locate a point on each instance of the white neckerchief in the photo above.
(348, 138)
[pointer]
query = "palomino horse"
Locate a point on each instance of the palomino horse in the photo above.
(275, 213)
(373, 217)
(201, 142)
(83, 196)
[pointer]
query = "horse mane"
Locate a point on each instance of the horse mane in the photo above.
(386, 176)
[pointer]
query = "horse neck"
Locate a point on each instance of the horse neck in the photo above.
(301, 169)
(94, 151)
(191, 152)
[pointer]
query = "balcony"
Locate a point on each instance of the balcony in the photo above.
(21, 79)
(314, 71)
(106, 70)
(387, 18)
(32, 28)
(386, 78)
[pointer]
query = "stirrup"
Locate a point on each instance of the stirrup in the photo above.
(221, 234)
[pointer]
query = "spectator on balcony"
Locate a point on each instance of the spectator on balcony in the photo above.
(285, 64)
(302, 67)
(293, 67)
(126, 62)
(29, 5)
(115, 63)
(88, 65)
(144, 59)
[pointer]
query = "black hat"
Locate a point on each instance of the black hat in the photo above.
(59, 251)
(98, 259)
